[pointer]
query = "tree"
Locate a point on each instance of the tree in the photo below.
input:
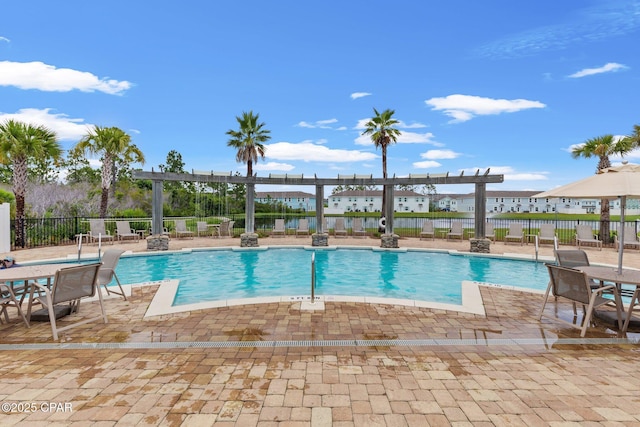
(115, 146)
(20, 145)
(382, 133)
(603, 147)
(248, 140)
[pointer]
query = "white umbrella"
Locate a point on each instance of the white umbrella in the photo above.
(619, 181)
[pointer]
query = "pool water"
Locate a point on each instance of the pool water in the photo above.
(227, 274)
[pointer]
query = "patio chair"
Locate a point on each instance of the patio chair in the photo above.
(489, 231)
(107, 271)
(547, 234)
(427, 230)
(8, 299)
(339, 229)
(70, 285)
(584, 235)
(226, 228)
(98, 231)
(357, 230)
(181, 229)
(124, 231)
(303, 227)
(574, 286)
(203, 229)
(278, 228)
(455, 231)
(630, 238)
(514, 234)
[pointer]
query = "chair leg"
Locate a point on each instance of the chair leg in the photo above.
(546, 298)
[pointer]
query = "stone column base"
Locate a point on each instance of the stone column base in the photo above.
(388, 241)
(249, 240)
(158, 242)
(320, 239)
(480, 245)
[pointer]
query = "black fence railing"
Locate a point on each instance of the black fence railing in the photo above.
(39, 232)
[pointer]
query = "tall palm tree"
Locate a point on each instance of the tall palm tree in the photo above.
(249, 140)
(20, 144)
(603, 147)
(112, 144)
(383, 134)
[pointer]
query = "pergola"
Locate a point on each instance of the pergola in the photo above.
(480, 180)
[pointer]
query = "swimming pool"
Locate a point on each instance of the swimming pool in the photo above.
(416, 275)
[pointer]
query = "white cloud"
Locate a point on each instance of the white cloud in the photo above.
(607, 68)
(310, 152)
(465, 107)
(357, 95)
(439, 154)
(426, 164)
(40, 76)
(4, 39)
(404, 138)
(414, 125)
(510, 174)
(322, 124)
(66, 128)
(273, 166)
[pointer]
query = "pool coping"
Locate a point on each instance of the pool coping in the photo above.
(162, 302)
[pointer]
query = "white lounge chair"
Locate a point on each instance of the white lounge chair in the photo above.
(427, 230)
(278, 228)
(456, 231)
(303, 227)
(181, 229)
(357, 230)
(339, 229)
(489, 231)
(124, 231)
(107, 271)
(630, 238)
(547, 234)
(514, 234)
(203, 229)
(98, 231)
(584, 235)
(226, 228)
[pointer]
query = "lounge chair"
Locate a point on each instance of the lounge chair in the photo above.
(203, 229)
(574, 285)
(489, 231)
(107, 271)
(514, 234)
(70, 285)
(339, 230)
(181, 229)
(124, 231)
(584, 235)
(547, 234)
(303, 227)
(357, 230)
(572, 258)
(8, 299)
(630, 238)
(456, 231)
(278, 228)
(427, 230)
(98, 231)
(226, 228)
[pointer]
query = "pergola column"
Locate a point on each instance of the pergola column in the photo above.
(321, 236)
(388, 239)
(479, 243)
(249, 239)
(157, 226)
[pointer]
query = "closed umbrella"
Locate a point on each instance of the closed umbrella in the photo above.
(618, 181)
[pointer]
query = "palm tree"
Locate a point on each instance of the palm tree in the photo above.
(20, 144)
(382, 133)
(112, 144)
(249, 140)
(603, 147)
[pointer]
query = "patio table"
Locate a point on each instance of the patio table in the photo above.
(28, 273)
(627, 277)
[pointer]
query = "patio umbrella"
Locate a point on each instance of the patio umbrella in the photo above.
(619, 181)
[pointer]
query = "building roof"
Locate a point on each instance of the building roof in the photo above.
(283, 194)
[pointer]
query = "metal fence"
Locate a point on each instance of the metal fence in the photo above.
(39, 232)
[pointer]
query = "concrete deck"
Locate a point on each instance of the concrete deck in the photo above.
(351, 364)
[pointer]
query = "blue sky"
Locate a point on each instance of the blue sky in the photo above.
(495, 84)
